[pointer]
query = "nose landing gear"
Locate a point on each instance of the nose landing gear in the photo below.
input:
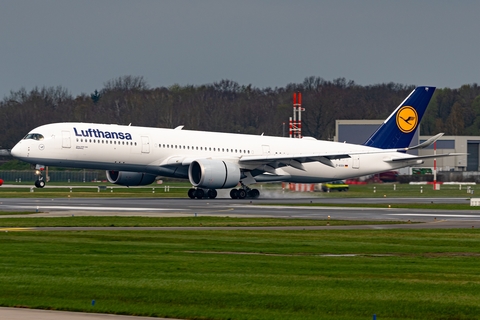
(40, 182)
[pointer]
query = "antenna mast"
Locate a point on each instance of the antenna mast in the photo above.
(295, 126)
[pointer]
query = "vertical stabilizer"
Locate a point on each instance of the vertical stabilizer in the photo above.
(400, 127)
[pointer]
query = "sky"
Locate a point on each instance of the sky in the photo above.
(80, 45)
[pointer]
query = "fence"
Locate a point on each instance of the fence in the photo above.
(55, 176)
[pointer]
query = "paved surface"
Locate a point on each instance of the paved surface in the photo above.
(64, 207)
(33, 314)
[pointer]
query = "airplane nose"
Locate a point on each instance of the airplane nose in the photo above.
(16, 151)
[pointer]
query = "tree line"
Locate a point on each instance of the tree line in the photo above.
(227, 106)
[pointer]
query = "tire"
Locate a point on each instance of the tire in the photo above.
(254, 194)
(212, 193)
(199, 194)
(242, 194)
(234, 194)
(191, 193)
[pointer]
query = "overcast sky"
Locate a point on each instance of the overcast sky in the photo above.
(82, 44)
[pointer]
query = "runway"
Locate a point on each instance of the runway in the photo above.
(272, 208)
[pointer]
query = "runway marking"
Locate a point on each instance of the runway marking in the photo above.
(15, 229)
(40, 207)
(435, 215)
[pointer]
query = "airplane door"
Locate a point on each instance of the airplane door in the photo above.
(66, 139)
(266, 149)
(356, 163)
(145, 144)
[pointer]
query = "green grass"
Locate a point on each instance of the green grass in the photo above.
(78, 192)
(8, 213)
(381, 190)
(204, 221)
(179, 190)
(397, 274)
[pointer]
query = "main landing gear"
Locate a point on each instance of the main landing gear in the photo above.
(244, 192)
(202, 193)
(241, 193)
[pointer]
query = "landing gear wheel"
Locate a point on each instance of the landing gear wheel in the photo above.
(242, 194)
(191, 193)
(39, 183)
(254, 193)
(199, 194)
(234, 194)
(212, 193)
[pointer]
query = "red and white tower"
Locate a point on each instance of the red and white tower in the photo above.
(295, 123)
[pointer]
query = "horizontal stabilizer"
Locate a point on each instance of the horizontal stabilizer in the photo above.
(430, 156)
(424, 144)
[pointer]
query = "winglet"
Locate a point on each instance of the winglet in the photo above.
(398, 130)
(424, 144)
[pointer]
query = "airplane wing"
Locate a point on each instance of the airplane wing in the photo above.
(270, 162)
(296, 160)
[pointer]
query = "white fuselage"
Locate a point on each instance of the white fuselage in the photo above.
(167, 152)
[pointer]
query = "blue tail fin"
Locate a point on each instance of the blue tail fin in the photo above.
(400, 127)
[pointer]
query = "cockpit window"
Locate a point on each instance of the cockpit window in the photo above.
(34, 136)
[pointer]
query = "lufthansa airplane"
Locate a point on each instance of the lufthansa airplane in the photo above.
(134, 156)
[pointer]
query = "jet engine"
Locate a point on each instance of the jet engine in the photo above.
(213, 174)
(125, 178)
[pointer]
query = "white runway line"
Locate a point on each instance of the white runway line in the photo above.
(40, 207)
(435, 215)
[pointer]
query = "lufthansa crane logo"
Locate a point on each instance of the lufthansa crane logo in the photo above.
(407, 119)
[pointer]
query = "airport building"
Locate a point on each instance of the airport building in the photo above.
(358, 131)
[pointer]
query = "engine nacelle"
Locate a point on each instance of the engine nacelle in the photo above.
(213, 174)
(125, 178)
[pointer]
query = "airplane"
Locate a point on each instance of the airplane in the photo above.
(135, 156)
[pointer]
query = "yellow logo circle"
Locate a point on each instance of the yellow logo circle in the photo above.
(407, 119)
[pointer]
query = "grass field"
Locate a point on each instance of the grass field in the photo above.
(395, 274)
(204, 221)
(179, 190)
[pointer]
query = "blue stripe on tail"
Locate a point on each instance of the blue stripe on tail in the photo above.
(400, 127)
